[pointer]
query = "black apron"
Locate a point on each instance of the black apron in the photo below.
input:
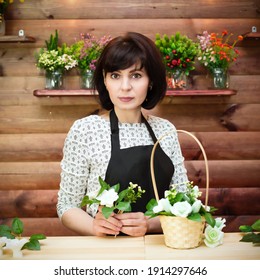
(133, 165)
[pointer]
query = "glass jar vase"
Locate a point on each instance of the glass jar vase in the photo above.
(177, 79)
(86, 77)
(54, 79)
(220, 78)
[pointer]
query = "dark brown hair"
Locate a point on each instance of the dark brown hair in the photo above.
(121, 53)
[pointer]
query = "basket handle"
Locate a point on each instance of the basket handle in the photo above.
(204, 156)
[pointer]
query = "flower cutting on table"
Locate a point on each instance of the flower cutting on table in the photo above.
(216, 51)
(112, 200)
(188, 205)
(11, 239)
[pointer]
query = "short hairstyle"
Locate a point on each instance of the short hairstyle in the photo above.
(121, 53)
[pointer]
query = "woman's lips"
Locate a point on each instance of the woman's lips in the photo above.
(126, 99)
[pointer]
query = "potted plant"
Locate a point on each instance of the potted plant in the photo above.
(178, 54)
(87, 51)
(55, 59)
(216, 53)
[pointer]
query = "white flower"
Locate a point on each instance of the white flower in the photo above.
(213, 236)
(16, 245)
(3, 241)
(220, 223)
(181, 209)
(196, 206)
(108, 197)
(163, 205)
(195, 191)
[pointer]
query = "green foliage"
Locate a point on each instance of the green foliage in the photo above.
(190, 196)
(53, 42)
(16, 230)
(121, 204)
(250, 233)
(178, 52)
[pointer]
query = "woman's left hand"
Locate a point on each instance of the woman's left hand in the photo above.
(134, 224)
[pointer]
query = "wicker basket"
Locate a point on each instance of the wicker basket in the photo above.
(181, 233)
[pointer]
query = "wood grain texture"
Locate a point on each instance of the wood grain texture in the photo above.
(48, 146)
(132, 9)
(46, 175)
(70, 29)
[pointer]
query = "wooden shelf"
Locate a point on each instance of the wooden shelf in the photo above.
(255, 35)
(89, 92)
(16, 39)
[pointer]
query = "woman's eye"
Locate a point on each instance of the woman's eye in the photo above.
(114, 75)
(136, 76)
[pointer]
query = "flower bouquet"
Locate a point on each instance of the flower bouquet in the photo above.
(216, 53)
(55, 59)
(87, 51)
(111, 200)
(178, 54)
(182, 214)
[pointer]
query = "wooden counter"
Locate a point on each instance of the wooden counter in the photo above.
(135, 248)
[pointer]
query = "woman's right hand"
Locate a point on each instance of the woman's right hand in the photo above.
(103, 226)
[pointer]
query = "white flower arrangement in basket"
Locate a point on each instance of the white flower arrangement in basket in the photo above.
(183, 215)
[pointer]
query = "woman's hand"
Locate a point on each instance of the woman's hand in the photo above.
(133, 224)
(103, 226)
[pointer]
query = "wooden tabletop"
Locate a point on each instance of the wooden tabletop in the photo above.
(135, 248)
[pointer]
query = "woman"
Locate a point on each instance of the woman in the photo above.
(117, 145)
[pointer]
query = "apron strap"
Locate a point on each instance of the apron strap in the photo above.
(115, 130)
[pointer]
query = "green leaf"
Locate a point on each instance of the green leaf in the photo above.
(195, 217)
(209, 219)
(116, 187)
(245, 228)
(85, 201)
(38, 236)
(6, 231)
(107, 211)
(251, 237)
(256, 225)
(33, 244)
(103, 184)
(17, 226)
(124, 206)
(151, 204)
(122, 195)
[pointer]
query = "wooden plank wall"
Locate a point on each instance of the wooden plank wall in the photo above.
(33, 129)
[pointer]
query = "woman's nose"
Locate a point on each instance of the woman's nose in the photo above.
(126, 84)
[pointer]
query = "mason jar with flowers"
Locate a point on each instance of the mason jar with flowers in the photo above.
(216, 53)
(87, 51)
(3, 7)
(55, 60)
(178, 54)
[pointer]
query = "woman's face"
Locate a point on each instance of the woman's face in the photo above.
(127, 88)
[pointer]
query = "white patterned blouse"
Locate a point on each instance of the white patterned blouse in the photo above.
(87, 151)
